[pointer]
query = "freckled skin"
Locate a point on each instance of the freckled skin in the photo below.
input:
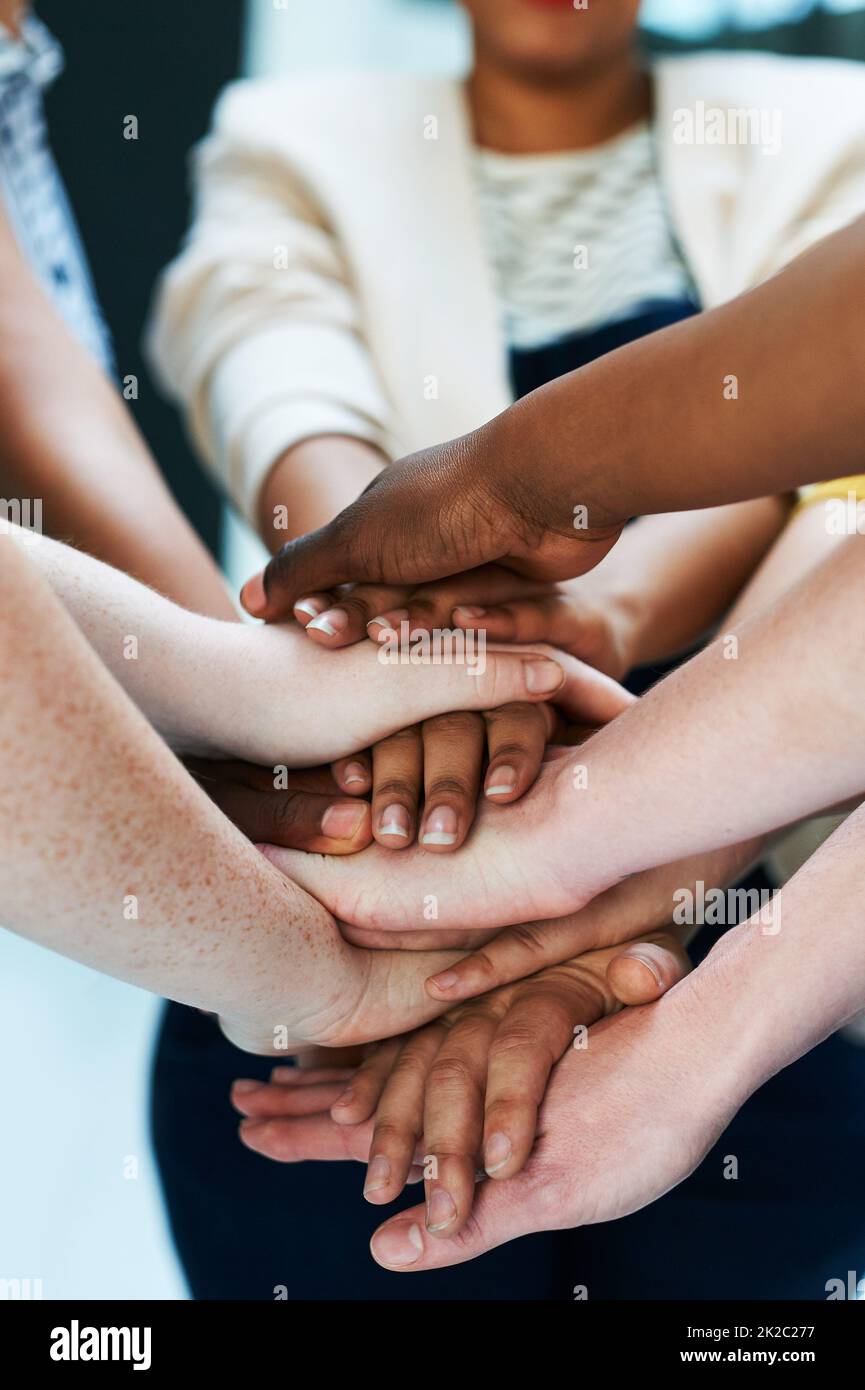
(94, 808)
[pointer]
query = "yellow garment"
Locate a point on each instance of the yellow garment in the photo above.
(839, 487)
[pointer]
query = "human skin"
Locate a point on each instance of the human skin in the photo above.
(794, 673)
(669, 579)
(516, 952)
(424, 1094)
(542, 81)
(192, 675)
(617, 438)
(636, 1112)
(112, 855)
(69, 440)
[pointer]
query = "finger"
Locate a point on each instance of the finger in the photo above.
(587, 695)
(309, 1076)
(457, 938)
(512, 954)
(645, 970)
(534, 1034)
(545, 618)
(208, 771)
(398, 1122)
(296, 1139)
(453, 750)
(365, 543)
(353, 775)
(359, 1098)
(501, 1212)
(397, 768)
(453, 1120)
(296, 820)
(432, 605)
(308, 606)
(265, 1101)
(347, 617)
(517, 737)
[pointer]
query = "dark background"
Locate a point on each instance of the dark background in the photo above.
(164, 61)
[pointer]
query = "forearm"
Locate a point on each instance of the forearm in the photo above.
(767, 719)
(311, 483)
(110, 853)
(69, 441)
(670, 578)
(183, 670)
(655, 427)
(772, 991)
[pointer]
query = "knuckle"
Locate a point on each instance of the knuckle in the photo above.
(454, 724)
(394, 1129)
(404, 740)
(284, 812)
(396, 788)
(451, 1072)
(450, 786)
(517, 1037)
(528, 937)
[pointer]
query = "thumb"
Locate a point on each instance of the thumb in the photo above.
(501, 1212)
(647, 969)
(311, 564)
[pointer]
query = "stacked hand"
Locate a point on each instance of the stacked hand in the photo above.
(462, 1092)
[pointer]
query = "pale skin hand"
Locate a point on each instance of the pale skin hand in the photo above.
(519, 951)
(69, 440)
(194, 677)
(634, 1114)
(796, 677)
(148, 881)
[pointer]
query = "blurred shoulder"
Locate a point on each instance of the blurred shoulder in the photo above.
(799, 84)
(345, 106)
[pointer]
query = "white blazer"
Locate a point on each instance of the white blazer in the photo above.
(335, 263)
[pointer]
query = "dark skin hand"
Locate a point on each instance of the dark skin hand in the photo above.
(546, 487)
(422, 782)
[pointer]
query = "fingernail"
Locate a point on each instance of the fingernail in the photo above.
(252, 595)
(334, 621)
(355, 772)
(497, 1151)
(283, 1074)
(245, 1088)
(501, 782)
(347, 1098)
(645, 960)
(440, 827)
(398, 1245)
(446, 980)
(309, 605)
(395, 821)
(389, 623)
(377, 1175)
(440, 1210)
(467, 611)
(542, 677)
(342, 822)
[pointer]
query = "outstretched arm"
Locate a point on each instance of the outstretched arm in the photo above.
(269, 695)
(69, 441)
(762, 728)
(635, 1112)
(738, 402)
(112, 855)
